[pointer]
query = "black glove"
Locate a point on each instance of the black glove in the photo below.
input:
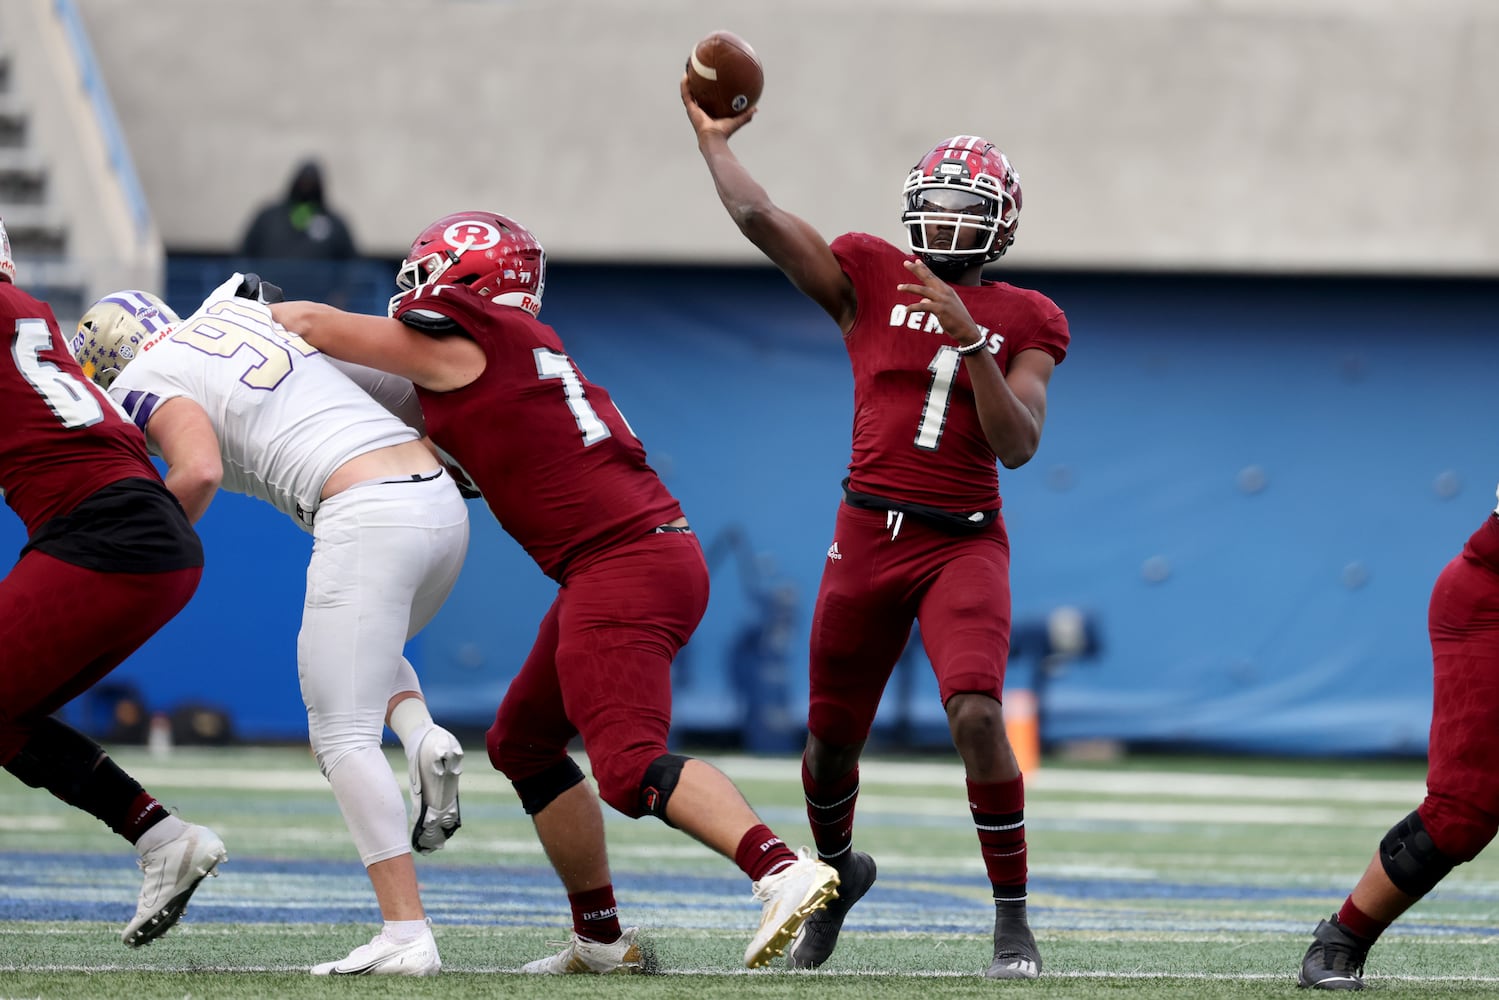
(252, 287)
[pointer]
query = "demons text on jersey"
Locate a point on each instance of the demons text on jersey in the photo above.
(920, 319)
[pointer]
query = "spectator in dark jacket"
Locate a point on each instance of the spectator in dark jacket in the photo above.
(300, 226)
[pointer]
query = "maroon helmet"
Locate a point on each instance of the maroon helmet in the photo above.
(965, 184)
(495, 256)
(7, 262)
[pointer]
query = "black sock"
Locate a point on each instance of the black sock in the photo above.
(76, 770)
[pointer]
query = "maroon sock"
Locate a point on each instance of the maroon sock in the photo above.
(595, 915)
(144, 813)
(762, 853)
(830, 811)
(999, 814)
(1359, 923)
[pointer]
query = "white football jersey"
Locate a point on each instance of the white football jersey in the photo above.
(286, 419)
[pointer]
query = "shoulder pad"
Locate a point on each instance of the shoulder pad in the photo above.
(443, 308)
(428, 321)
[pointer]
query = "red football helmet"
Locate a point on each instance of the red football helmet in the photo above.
(7, 262)
(494, 255)
(964, 186)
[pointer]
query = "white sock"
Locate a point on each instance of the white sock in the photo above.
(410, 720)
(168, 829)
(402, 931)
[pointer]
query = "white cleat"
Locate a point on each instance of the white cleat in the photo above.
(582, 956)
(383, 957)
(789, 896)
(172, 871)
(434, 771)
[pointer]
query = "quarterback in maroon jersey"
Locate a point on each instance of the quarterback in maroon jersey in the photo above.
(1459, 816)
(950, 376)
(565, 476)
(109, 559)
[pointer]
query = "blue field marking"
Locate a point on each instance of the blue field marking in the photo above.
(103, 887)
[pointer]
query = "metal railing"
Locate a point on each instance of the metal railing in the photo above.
(97, 91)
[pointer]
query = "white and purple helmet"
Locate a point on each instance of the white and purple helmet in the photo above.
(111, 333)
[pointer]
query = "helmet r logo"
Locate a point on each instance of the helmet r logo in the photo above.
(471, 234)
(493, 255)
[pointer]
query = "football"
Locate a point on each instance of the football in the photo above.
(724, 75)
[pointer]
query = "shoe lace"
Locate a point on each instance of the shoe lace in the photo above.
(154, 858)
(1014, 951)
(149, 864)
(1341, 956)
(767, 886)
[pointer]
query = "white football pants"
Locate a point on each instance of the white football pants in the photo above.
(384, 558)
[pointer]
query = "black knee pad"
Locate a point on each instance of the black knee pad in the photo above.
(659, 782)
(1411, 859)
(540, 790)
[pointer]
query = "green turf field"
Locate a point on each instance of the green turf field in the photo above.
(1161, 877)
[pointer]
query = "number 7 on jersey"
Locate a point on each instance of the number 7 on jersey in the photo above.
(552, 365)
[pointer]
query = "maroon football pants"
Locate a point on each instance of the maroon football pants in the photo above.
(601, 667)
(63, 627)
(882, 573)
(1461, 809)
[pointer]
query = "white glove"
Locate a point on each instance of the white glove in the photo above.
(228, 289)
(247, 286)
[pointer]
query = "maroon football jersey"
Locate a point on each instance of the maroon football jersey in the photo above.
(916, 435)
(556, 462)
(63, 439)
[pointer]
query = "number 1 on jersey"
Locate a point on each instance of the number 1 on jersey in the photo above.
(944, 369)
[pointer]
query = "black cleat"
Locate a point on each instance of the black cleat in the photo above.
(1015, 953)
(1335, 960)
(815, 942)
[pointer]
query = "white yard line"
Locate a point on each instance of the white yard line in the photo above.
(879, 777)
(1106, 781)
(820, 974)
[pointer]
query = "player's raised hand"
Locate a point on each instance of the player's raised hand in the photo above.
(939, 299)
(703, 123)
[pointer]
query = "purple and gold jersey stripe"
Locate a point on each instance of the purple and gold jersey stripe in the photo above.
(140, 404)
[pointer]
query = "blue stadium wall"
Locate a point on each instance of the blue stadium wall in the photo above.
(1248, 484)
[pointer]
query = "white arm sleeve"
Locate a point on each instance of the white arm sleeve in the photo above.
(393, 392)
